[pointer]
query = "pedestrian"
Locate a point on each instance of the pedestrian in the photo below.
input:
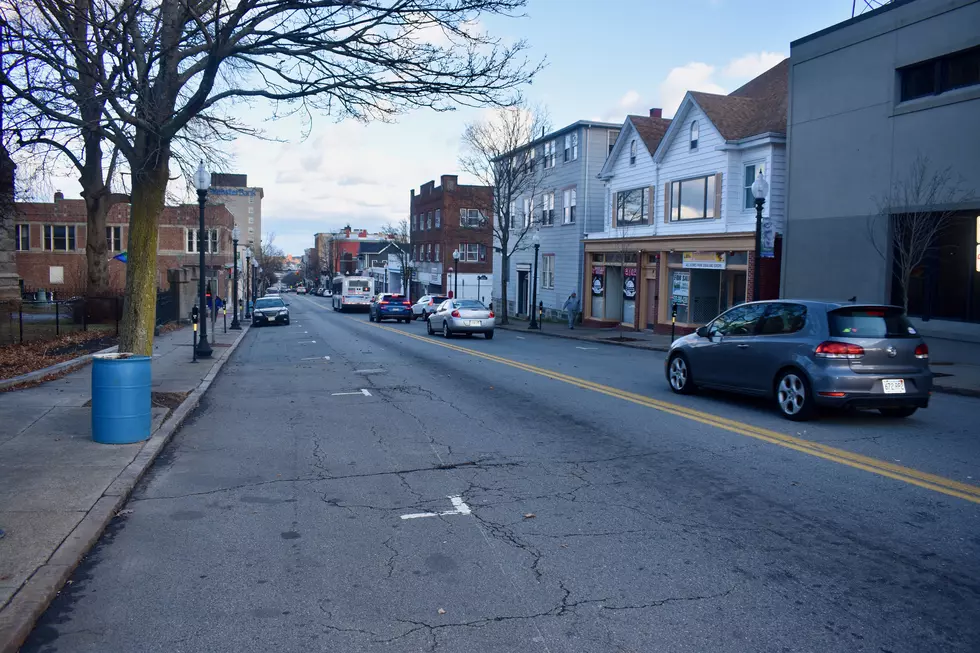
(572, 307)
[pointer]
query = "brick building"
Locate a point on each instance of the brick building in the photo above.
(443, 219)
(50, 240)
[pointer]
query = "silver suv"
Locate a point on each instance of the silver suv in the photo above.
(806, 354)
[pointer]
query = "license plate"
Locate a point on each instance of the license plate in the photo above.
(472, 322)
(893, 386)
(271, 318)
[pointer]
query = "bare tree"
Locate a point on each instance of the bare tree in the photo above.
(178, 60)
(914, 214)
(495, 153)
(398, 236)
(270, 258)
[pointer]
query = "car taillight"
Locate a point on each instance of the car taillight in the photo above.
(430, 302)
(832, 349)
(922, 351)
(491, 314)
(455, 313)
(384, 303)
(407, 303)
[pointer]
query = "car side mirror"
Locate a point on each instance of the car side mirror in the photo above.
(702, 332)
(287, 303)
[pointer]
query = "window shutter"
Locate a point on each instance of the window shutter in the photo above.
(613, 220)
(718, 195)
(667, 202)
(652, 193)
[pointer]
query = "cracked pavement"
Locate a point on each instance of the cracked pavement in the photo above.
(272, 522)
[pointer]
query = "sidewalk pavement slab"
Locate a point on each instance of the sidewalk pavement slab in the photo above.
(59, 488)
(956, 363)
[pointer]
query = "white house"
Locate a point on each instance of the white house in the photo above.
(680, 216)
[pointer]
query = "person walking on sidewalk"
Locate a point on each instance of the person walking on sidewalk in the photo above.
(572, 307)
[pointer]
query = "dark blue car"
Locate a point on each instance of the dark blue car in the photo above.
(390, 306)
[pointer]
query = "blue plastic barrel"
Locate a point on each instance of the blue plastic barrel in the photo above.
(120, 398)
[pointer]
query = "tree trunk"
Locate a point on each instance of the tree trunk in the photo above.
(504, 277)
(96, 247)
(139, 307)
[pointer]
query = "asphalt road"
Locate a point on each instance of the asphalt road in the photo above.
(561, 499)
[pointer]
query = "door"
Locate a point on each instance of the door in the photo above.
(522, 292)
(653, 300)
(781, 339)
(721, 359)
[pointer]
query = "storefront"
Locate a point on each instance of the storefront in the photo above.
(638, 282)
(947, 284)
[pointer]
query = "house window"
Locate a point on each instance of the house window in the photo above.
(438, 258)
(632, 152)
(59, 238)
(428, 252)
(548, 208)
(251, 209)
(415, 252)
(251, 199)
(568, 206)
(548, 271)
(693, 199)
(250, 232)
(470, 218)
(512, 216)
(22, 237)
(113, 237)
(956, 70)
(751, 172)
(192, 239)
(571, 147)
(632, 207)
(251, 220)
(549, 154)
(438, 218)
(528, 211)
(695, 130)
(470, 252)
(532, 156)
(611, 137)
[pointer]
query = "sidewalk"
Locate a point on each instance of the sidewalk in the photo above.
(59, 489)
(955, 363)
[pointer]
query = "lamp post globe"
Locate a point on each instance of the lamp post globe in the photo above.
(202, 181)
(760, 189)
(236, 234)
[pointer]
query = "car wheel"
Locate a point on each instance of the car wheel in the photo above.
(793, 396)
(488, 335)
(287, 321)
(679, 375)
(428, 328)
(445, 330)
(407, 320)
(907, 411)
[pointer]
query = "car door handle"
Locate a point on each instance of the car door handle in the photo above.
(742, 346)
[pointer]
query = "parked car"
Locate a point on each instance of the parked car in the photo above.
(467, 316)
(390, 306)
(807, 354)
(327, 292)
(426, 306)
(270, 310)
(301, 290)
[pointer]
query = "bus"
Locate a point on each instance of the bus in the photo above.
(352, 292)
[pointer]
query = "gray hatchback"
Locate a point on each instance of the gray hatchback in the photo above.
(806, 354)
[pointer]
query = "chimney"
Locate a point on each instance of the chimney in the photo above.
(448, 182)
(347, 232)
(58, 196)
(656, 113)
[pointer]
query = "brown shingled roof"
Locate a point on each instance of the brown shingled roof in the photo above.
(758, 107)
(651, 130)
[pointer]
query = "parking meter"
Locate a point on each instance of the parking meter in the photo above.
(194, 317)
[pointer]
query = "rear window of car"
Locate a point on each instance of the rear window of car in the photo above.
(884, 322)
(470, 303)
(438, 300)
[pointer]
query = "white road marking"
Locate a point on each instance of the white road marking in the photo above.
(459, 508)
(307, 342)
(365, 392)
(372, 371)
(316, 358)
(521, 338)
(586, 348)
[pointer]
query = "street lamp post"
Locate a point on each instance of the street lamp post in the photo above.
(255, 282)
(480, 278)
(202, 181)
(760, 188)
(456, 274)
(533, 324)
(235, 324)
(248, 281)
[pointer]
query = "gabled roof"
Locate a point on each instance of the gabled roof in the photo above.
(650, 130)
(758, 107)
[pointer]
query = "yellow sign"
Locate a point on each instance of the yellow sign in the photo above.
(704, 260)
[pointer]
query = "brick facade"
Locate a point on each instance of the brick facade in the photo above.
(174, 262)
(449, 198)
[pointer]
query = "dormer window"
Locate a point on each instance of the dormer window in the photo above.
(632, 152)
(694, 135)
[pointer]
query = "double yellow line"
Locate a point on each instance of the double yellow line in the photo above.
(898, 472)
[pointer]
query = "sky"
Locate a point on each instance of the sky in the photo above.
(604, 59)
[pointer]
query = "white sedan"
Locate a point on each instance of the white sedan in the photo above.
(467, 316)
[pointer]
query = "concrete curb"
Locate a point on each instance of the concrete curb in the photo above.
(66, 366)
(565, 336)
(18, 617)
(953, 390)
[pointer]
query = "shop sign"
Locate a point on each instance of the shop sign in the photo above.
(680, 285)
(704, 260)
(598, 280)
(629, 283)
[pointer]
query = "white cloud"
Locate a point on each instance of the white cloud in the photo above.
(695, 76)
(752, 64)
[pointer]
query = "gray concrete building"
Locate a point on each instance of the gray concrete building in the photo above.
(569, 202)
(869, 98)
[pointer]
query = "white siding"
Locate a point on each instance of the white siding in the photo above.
(777, 190)
(626, 176)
